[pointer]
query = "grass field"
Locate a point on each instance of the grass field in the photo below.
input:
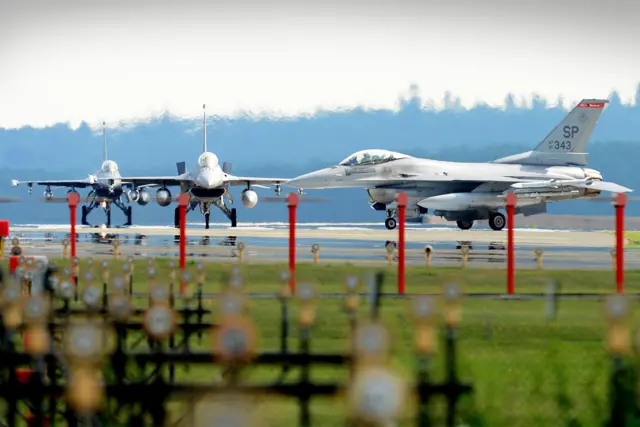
(526, 369)
(634, 238)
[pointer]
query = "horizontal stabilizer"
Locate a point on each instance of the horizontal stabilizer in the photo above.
(604, 186)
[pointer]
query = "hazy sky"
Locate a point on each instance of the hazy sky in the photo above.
(75, 60)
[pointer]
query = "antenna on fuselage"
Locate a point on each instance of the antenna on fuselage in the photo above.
(204, 122)
(104, 141)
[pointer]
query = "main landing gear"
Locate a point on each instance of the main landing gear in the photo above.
(496, 222)
(391, 221)
(205, 210)
(93, 201)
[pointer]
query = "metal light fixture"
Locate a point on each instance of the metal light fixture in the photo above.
(159, 321)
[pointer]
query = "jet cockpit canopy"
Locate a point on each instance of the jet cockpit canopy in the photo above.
(371, 157)
(109, 166)
(208, 160)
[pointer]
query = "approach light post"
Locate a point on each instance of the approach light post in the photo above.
(511, 204)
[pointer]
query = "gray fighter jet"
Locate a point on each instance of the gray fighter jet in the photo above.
(107, 187)
(207, 184)
(466, 192)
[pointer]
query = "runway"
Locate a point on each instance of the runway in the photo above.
(339, 243)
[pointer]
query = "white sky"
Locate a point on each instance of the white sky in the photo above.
(73, 61)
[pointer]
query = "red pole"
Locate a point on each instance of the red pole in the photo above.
(292, 202)
(511, 204)
(73, 199)
(183, 201)
(402, 200)
(621, 202)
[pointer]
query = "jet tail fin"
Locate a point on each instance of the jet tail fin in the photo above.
(182, 167)
(566, 144)
(104, 142)
(573, 133)
(226, 168)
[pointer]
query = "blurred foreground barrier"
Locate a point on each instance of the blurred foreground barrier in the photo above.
(103, 358)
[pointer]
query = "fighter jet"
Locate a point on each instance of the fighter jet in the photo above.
(466, 192)
(107, 187)
(207, 184)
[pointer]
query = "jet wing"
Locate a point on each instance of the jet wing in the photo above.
(169, 181)
(244, 180)
(77, 183)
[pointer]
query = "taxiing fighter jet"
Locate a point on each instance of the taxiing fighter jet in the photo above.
(206, 184)
(466, 192)
(107, 187)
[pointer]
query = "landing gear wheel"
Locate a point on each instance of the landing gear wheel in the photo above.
(206, 220)
(464, 225)
(176, 218)
(390, 223)
(129, 215)
(497, 221)
(234, 218)
(84, 215)
(108, 218)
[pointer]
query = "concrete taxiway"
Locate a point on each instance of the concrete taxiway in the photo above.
(523, 237)
(563, 249)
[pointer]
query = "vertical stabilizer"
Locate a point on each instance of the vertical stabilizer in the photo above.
(182, 167)
(104, 142)
(573, 133)
(204, 122)
(567, 142)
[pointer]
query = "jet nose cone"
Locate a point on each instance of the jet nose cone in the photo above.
(208, 179)
(310, 180)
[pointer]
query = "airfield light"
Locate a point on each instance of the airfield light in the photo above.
(428, 251)
(83, 342)
(353, 285)
(118, 284)
(464, 249)
(159, 321)
(115, 243)
(451, 297)
(241, 246)
(232, 304)
(119, 307)
(235, 339)
(64, 290)
(371, 343)
(315, 250)
(377, 396)
(305, 295)
(200, 270)
(91, 296)
(159, 294)
(285, 291)
(539, 252)
(36, 309)
(617, 313)
(424, 313)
